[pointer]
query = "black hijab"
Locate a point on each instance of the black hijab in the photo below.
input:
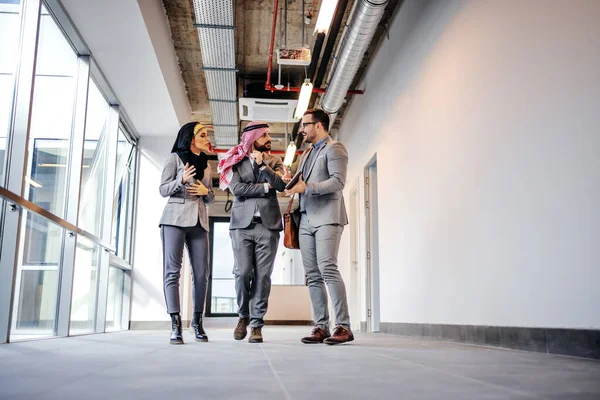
(182, 148)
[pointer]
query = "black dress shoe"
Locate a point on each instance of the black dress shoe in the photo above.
(199, 334)
(176, 336)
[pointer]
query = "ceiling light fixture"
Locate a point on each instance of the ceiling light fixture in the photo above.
(289, 154)
(304, 98)
(325, 16)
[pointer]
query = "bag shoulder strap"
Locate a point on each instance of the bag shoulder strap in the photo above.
(289, 207)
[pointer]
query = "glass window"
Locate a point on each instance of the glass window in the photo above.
(288, 268)
(122, 210)
(223, 298)
(36, 288)
(117, 282)
(10, 28)
(94, 168)
(51, 118)
(45, 182)
(85, 287)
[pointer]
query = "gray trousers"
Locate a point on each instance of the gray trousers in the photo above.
(195, 238)
(319, 248)
(254, 250)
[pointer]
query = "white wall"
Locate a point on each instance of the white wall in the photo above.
(148, 302)
(484, 116)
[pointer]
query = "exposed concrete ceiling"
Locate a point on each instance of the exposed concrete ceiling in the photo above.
(253, 21)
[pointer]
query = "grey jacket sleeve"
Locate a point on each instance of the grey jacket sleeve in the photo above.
(238, 188)
(207, 181)
(272, 173)
(170, 180)
(337, 165)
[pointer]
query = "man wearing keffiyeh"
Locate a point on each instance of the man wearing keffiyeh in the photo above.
(253, 177)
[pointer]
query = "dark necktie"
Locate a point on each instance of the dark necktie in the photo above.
(256, 170)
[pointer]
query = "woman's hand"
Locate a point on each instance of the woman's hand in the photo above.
(197, 189)
(188, 173)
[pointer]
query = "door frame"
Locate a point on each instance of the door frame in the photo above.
(372, 297)
(355, 267)
(208, 302)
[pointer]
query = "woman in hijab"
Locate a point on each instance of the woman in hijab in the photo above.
(186, 181)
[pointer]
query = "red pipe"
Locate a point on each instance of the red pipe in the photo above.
(276, 152)
(272, 88)
(268, 85)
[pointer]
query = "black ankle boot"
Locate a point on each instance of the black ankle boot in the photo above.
(196, 325)
(176, 336)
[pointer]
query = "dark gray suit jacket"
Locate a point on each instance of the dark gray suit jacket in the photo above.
(183, 209)
(250, 192)
(326, 178)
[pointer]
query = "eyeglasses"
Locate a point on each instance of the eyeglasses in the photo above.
(307, 123)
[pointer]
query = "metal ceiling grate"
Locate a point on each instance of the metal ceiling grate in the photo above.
(214, 20)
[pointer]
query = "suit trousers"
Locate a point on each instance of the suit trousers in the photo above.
(195, 238)
(254, 250)
(319, 248)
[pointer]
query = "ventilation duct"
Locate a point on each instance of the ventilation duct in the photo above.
(214, 21)
(360, 31)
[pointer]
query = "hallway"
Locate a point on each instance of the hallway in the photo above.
(142, 365)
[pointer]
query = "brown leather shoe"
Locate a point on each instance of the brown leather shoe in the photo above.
(241, 330)
(340, 335)
(255, 335)
(317, 336)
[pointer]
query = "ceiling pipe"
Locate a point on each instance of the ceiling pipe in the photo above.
(361, 29)
(333, 34)
(268, 85)
(318, 78)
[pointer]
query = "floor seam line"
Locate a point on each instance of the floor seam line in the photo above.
(285, 392)
(465, 378)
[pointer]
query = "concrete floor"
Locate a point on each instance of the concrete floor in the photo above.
(142, 365)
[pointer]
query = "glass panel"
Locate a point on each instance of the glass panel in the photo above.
(10, 29)
(288, 268)
(36, 289)
(123, 196)
(85, 286)
(51, 118)
(223, 298)
(222, 252)
(95, 155)
(114, 307)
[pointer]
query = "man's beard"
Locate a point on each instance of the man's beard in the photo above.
(264, 147)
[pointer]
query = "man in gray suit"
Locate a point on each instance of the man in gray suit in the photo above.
(323, 216)
(255, 224)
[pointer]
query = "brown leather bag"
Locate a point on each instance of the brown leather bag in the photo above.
(291, 235)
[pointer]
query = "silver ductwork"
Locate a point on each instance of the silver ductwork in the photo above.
(360, 31)
(214, 20)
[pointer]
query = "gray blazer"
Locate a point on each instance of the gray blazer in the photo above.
(325, 178)
(183, 208)
(250, 193)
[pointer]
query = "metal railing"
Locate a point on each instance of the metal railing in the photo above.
(15, 202)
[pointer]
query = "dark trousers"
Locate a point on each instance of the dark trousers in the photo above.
(254, 250)
(196, 240)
